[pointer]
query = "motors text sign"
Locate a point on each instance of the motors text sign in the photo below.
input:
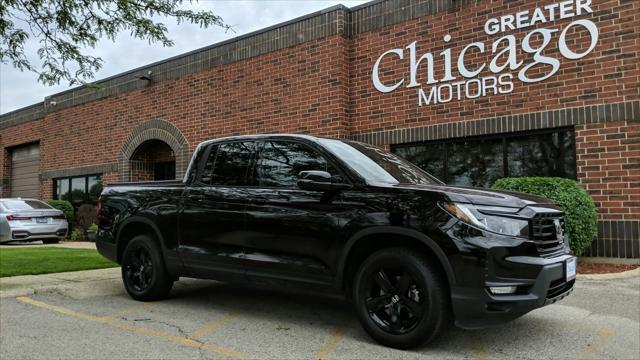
(448, 77)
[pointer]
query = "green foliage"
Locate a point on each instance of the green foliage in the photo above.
(76, 234)
(580, 212)
(93, 227)
(65, 207)
(45, 260)
(67, 31)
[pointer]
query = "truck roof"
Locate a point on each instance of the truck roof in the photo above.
(265, 136)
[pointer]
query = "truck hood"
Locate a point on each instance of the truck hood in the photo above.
(478, 196)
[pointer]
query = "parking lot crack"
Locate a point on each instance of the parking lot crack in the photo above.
(183, 333)
(202, 351)
(50, 290)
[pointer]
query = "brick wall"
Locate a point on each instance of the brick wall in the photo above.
(608, 161)
(261, 94)
(609, 74)
(313, 75)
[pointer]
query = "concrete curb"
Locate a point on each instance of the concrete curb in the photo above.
(30, 284)
(611, 276)
(24, 285)
(64, 244)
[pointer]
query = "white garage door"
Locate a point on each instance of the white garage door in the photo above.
(25, 166)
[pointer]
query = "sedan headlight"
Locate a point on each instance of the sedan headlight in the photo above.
(500, 220)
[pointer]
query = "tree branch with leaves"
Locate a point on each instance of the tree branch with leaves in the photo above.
(66, 30)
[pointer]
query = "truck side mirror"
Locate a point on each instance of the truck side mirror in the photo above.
(317, 180)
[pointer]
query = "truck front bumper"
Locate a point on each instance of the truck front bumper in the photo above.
(476, 307)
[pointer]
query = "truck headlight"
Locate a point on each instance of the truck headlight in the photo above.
(501, 220)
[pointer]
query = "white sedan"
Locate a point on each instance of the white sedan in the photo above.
(31, 220)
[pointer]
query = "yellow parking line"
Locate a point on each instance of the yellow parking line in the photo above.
(138, 329)
(331, 343)
(592, 352)
(127, 311)
(479, 351)
(214, 325)
(61, 310)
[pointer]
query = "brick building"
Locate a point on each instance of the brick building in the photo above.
(470, 90)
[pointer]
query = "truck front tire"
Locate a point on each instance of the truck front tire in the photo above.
(400, 299)
(143, 270)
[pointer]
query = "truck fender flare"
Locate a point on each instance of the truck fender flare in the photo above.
(143, 220)
(393, 230)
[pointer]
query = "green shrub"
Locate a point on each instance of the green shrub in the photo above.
(76, 235)
(580, 212)
(65, 207)
(93, 227)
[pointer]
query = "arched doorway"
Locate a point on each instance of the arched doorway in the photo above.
(153, 160)
(154, 150)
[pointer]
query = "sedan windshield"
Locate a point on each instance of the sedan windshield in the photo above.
(18, 204)
(376, 165)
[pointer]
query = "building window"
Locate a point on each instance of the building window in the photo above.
(78, 189)
(480, 161)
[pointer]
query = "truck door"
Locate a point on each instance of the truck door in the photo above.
(292, 234)
(212, 220)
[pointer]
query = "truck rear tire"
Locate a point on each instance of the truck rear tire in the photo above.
(144, 274)
(400, 298)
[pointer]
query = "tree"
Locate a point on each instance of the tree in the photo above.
(65, 30)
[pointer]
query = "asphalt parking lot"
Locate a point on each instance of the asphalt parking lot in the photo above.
(206, 320)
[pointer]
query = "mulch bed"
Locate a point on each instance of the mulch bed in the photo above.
(589, 268)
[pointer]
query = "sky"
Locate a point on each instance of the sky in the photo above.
(19, 89)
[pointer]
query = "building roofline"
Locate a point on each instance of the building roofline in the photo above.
(209, 47)
(335, 20)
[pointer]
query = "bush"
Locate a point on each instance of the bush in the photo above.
(76, 235)
(65, 207)
(85, 216)
(580, 212)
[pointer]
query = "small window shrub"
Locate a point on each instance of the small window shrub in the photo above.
(580, 212)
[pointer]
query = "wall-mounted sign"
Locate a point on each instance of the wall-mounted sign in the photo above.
(458, 78)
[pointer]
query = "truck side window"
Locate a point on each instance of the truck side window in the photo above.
(229, 164)
(280, 162)
(207, 168)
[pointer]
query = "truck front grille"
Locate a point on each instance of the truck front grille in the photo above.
(547, 233)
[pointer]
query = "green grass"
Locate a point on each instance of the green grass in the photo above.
(33, 261)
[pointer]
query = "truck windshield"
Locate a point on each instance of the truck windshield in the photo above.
(376, 165)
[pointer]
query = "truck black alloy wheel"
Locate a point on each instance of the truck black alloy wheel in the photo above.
(139, 271)
(400, 299)
(394, 300)
(143, 271)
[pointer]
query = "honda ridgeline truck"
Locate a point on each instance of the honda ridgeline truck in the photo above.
(345, 218)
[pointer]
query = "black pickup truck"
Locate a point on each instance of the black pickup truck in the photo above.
(342, 218)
